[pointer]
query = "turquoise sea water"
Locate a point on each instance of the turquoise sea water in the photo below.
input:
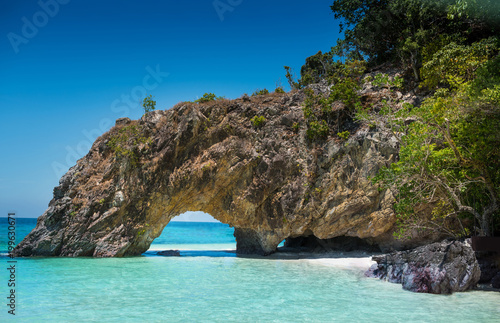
(210, 284)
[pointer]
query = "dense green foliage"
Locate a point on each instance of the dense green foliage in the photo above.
(447, 175)
(456, 63)
(322, 67)
(449, 160)
(316, 68)
(403, 30)
(317, 130)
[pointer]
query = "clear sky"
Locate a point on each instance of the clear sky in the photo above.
(69, 68)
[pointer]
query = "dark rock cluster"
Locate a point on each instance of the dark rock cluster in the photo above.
(438, 268)
(489, 262)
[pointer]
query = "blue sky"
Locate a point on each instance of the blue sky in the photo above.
(69, 68)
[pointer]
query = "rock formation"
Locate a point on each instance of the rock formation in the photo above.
(169, 253)
(268, 181)
(489, 263)
(495, 282)
(439, 268)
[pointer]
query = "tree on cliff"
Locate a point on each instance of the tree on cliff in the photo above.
(148, 104)
(316, 68)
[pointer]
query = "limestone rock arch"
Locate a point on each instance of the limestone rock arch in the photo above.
(268, 182)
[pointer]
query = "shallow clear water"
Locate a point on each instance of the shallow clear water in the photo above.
(210, 284)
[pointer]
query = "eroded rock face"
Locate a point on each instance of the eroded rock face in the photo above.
(270, 183)
(438, 268)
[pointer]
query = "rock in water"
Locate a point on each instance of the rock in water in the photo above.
(439, 268)
(169, 253)
(489, 266)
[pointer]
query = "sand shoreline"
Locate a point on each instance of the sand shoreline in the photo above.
(361, 263)
(352, 260)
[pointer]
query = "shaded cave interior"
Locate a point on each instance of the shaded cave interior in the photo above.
(312, 244)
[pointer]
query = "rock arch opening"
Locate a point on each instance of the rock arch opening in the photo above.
(193, 231)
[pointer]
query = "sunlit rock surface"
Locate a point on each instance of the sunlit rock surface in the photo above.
(269, 182)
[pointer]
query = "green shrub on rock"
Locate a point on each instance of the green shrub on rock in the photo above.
(317, 130)
(261, 92)
(208, 97)
(258, 122)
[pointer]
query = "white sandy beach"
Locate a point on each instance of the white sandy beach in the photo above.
(354, 260)
(358, 263)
